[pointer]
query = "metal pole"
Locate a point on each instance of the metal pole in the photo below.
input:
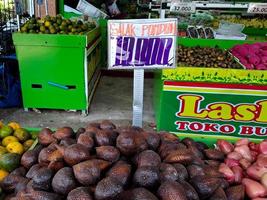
(162, 9)
(138, 97)
(31, 5)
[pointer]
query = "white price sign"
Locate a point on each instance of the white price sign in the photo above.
(257, 8)
(145, 44)
(183, 7)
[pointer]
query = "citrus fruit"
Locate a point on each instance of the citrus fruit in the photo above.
(8, 140)
(3, 174)
(5, 131)
(47, 23)
(14, 125)
(15, 147)
(9, 161)
(2, 150)
(22, 134)
(27, 144)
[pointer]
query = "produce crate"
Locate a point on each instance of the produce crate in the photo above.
(182, 94)
(255, 31)
(55, 69)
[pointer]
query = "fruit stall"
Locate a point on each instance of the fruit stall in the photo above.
(209, 139)
(213, 89)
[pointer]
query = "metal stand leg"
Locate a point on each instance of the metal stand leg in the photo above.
(84, 113)
(138, 97)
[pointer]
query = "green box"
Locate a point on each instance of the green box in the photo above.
(214, 75)
(212, 86)
(54, 69)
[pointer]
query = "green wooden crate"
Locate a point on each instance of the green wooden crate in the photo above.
(54, 69)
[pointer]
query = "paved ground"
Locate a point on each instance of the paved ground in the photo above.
(112, 100)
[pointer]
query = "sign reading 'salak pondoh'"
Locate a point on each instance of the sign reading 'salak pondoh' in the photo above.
(147, 43)
(215, 109)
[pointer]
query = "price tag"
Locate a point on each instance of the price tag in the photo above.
(257, 8)
(183, 7)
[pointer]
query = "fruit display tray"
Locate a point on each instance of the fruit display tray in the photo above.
(215, 75)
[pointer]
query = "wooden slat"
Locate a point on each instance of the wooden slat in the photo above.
(52, 8)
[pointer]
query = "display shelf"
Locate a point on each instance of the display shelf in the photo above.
(224, 7)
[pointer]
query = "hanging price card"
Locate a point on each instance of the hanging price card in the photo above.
(183, 7)
(257, 8)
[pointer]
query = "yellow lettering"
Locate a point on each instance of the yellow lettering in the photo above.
(245, 112)
(220, 111)
(262, 112)
(190, 106)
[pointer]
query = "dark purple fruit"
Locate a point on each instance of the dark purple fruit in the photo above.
(108, 153)
(137, 194)
(64, 181)
(171, 190)
(147, 177)
(64, 132)
(183, 156)
(76, 153)
(45, 137)
(120, 171)
(108, 125)
(42, 179)
(152, 139)
(21, 171)
(87, 172)
(214, 154)
(168, 137)
(11, 181)
(148, 158)
(195, 170)
(235, 192)
(205, 186)
(167, 172)
(108, 189)
(33, 170)
(190, 192)
(181, 171)
(80, 193)
(86, 140)
(219, 194)
(67, 142)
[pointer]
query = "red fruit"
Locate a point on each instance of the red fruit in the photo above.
(234, 155)
(253, 146)
(231, 162)
(238, 172)
(244, 163)
(253, 188)
(243, 141)
(225, 147)
(262, 160)
(227, 172)
(256, 172)
(244, 151)
(254, 155)
(263, 147)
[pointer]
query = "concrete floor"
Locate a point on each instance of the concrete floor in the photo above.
(112, 100)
